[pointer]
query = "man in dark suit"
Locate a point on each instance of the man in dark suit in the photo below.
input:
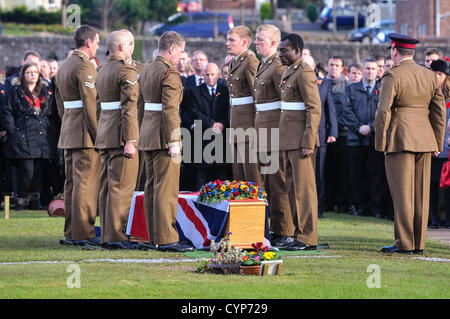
(210, 105)
(187, 177)
(199, 61)
(368, 185)
(328, 133)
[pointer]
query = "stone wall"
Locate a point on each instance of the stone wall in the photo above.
(12, 49)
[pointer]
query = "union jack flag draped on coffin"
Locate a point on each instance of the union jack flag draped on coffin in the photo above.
(197, 223)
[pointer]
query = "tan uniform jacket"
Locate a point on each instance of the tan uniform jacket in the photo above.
(160, 83)
(411, 112)
(139, 69)
(118, 90)
(299, 128)
(76, 99)
(240, 85)
(267, 90)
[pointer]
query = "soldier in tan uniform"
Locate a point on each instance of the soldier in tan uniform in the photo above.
(267, 94)
(76, 99)
(140, 180)
(117, 136)
(301, 110)
(160, 139)
(409, 127)
(242, 115)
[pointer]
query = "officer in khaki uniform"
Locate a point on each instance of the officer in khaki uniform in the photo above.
(409, 127)
(242, 115)
(76, 99)
(160, 139)
(299, 124)
(267, 93)
(140, 180)
(117, 88)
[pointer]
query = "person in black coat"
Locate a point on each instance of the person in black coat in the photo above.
(3, 162)
(368, 179)
(337, 162)
(210, 107)
(328, 133)
(29, 119)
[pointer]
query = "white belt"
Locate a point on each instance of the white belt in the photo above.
(153, 107)
(293, 106)
(241, 100)
(73, 104)
(107, 106)
(268, 106)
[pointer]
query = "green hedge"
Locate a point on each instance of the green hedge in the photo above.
(312, 13)
(23, 15)
(18, 28)
(265, 11)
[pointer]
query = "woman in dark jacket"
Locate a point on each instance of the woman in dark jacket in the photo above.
(29, 120)
(441, 69)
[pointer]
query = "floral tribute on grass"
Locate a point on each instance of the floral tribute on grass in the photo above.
(218, 190)
(230, 260)
(227, 259)
(261, 253)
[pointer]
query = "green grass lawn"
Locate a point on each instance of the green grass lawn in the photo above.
(355, 243)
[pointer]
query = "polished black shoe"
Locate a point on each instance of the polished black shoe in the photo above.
(80, 242)
(395, 250)
(66, 242)
(418, 252)
(433, 226)
(281, 241)
(95, 241)
(320, 215)
(176, 247)
(146, 246)
(119, 245)
(299, 246)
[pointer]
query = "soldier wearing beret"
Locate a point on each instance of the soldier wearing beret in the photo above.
(117, 88)
(409, 128)
(301, 111)
(76, 98)
(160, 139)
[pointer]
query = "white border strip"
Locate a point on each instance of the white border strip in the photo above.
(144, 261)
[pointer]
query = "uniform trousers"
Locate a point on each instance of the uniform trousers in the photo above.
(301, 186)
(140, 179)
(408, 175)
(161, 196)
(117, 184)
(277, 195)
(82, 168)
(245, 164)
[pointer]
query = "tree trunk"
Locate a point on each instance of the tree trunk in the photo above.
(288, 17)
(106, 10)
(242, 12)
(273, 10)
(334, 21)
(356, 8)
(64, 5)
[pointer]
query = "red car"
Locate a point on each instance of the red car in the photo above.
(190, 6)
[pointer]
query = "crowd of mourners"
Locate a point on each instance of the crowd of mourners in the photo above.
(350, 173)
